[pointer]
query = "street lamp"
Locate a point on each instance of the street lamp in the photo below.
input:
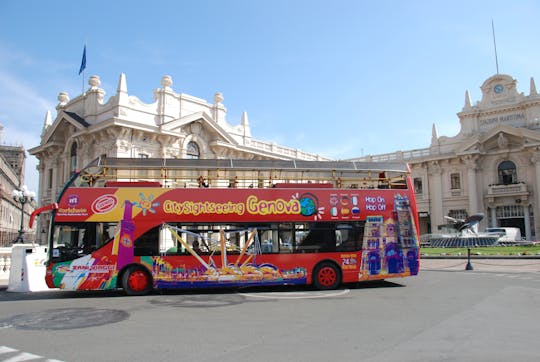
(22, 196)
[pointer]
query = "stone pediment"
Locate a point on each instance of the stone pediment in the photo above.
(499, 89)
(500, 138)
(198, 123)
(66, 123)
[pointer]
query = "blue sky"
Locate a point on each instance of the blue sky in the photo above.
(340, 78)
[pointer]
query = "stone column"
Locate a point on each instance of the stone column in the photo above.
(54, 186)
(493, 211)
(527, 216)
(535, 159)
(168, 108)
(41, 188)
(42, 179)
(470, 163)
(435, 195)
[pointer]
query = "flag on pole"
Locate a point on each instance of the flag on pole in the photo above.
(83, 61)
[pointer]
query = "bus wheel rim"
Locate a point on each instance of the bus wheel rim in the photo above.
(138, 280)
(327, 276)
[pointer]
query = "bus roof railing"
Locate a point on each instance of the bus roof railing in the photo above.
(245, 165)
(174, 172)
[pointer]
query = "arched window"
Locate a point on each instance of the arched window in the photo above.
(193, 150)
(507, 173)
(73, 158)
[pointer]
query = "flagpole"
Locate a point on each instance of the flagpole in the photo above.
(82, 70)
(495, 46)
(83, 67)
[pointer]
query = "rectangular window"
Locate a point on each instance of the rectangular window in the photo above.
(50, 178)
(455, 181)
(418, 185)
(460, 214)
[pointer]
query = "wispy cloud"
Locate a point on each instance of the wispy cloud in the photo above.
(22, 105)
(16, 95)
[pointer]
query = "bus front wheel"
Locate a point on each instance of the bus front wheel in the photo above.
(136, 281)
(326, 275)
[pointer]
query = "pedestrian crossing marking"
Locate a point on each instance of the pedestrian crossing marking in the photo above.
(14, 355)
(4, 349)
(23, 356)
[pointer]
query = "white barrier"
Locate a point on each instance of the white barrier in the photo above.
(27, 273)
(5, 265)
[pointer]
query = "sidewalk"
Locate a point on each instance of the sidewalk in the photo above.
(512, 265)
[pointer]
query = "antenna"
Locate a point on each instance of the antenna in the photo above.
(495, 46)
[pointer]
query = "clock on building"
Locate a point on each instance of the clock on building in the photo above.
(499, 88)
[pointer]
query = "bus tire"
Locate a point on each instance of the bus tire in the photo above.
(136, 280)
(326, 275)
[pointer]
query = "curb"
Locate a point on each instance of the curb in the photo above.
(496, 257)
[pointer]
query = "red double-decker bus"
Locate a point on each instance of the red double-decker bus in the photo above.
(140, 224)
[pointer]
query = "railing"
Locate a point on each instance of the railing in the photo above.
(396, 156)
(285, 151)
(8, 236)
(241, 173)
(5, 263)
(510, 189)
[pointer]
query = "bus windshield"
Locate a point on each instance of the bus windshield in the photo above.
(72, 240)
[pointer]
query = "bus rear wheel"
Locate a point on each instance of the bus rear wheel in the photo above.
(136, 281)
(326, 275)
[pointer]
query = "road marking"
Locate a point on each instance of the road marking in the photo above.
(20, 356)
(23, 356)
(297, 295)
(4, 349)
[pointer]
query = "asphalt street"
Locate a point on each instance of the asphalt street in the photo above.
(444, 314)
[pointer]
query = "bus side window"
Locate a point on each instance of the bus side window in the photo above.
(348, 236)
(345, 238)
(316, 237)
(147, 243)
(285, 237)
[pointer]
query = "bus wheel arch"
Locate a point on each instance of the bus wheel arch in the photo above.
(135, 279)
(326, 275)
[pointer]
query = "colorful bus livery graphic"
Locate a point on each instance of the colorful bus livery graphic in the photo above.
(315, 225)
(390, 245)
(249, 204)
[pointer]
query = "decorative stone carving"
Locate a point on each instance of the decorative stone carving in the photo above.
(502, 141)
(470, 162)
(166, 81)
(94, 82)
(196, 127)
(63, 98)
(535, 158)
(218, 98)
(434, 168)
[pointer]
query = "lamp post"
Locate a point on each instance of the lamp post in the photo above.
(22, 196)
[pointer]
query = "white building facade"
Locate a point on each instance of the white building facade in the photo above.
(173, 126)
(492, 166)
(12, 160)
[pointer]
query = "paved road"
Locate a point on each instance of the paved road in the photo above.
(444, 314)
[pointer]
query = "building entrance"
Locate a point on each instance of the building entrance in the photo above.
(513, 216)
(513, 223)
